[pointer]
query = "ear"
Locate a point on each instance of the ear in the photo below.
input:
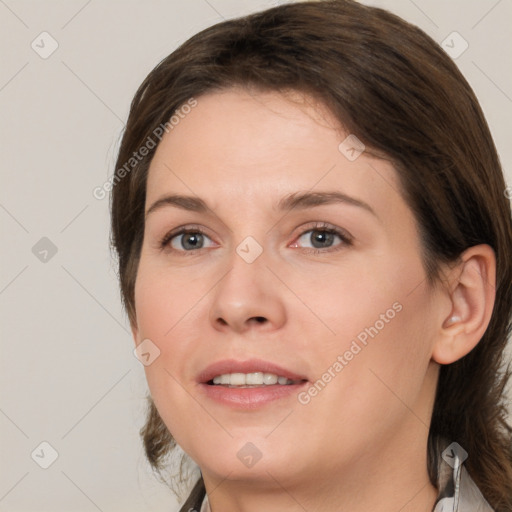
(471, 292)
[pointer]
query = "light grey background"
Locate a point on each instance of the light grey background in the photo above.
(68, 375)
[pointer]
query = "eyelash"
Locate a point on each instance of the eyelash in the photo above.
(345, 238)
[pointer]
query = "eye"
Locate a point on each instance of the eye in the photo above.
(323, 238)
(185, 240)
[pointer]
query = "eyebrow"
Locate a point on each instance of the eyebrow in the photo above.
(297, 201)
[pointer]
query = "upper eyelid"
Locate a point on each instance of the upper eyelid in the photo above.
(343, 234)
(182, 230)
(319, 225)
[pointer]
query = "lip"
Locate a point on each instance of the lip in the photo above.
(248, 398)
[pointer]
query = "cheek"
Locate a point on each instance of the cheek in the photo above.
(164, 310)
(161, 317)
(362, 297)
(164, 300)
(378, 314)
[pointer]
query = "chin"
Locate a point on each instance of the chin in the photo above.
(246, 457)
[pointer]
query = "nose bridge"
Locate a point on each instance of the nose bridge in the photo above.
(247, 291)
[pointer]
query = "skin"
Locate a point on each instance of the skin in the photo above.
(360, 443)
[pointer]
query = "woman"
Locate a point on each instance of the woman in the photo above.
(314, 253)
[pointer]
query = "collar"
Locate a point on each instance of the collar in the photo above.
(457, 490)
(205, 507)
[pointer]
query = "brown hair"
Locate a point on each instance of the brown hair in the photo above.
(394, 88)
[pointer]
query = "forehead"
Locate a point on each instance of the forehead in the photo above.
(240, 145)
(246, 125)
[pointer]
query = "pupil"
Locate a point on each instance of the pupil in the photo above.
(191, 240)
(321, 237)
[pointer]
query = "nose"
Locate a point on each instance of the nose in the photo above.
(248, 297)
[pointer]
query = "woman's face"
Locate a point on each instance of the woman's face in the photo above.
(301, 261)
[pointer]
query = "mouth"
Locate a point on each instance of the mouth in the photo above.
(249, 384)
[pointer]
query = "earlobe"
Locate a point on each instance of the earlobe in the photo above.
(472, 295)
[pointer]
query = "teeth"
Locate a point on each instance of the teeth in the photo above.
(254, 379)
(237, 379)
(269, 379)
(251, 379)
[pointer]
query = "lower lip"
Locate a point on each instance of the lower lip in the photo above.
(250, 398)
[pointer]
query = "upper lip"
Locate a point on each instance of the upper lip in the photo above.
(248, 366)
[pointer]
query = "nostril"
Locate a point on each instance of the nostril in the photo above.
(260, 319)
